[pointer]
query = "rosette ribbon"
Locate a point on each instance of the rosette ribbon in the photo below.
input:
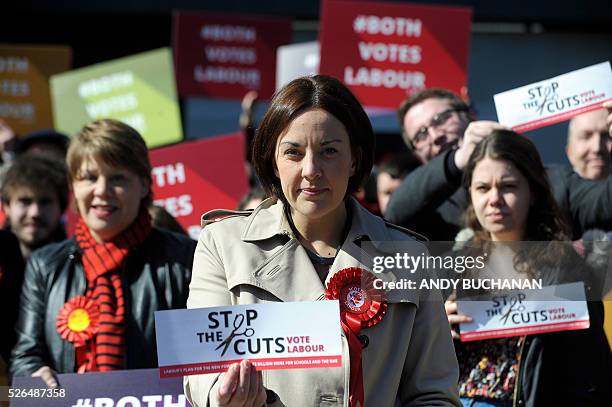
(361, 306)
(77, 322)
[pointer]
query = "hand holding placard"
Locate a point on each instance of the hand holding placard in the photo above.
(454, 318)
(47, 375)
(241, 385)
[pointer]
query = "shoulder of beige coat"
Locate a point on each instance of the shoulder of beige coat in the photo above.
(218, 215)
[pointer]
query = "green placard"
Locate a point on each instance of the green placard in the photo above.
(139, 90)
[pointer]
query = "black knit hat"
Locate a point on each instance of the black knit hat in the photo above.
(43, 136)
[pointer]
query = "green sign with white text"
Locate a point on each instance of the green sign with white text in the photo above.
(139, 90)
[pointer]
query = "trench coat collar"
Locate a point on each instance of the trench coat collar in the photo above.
(290, 275)
(269, 220)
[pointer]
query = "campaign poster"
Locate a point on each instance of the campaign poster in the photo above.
(296, 60)
(139, 90)
(556, 99)
(226, 55)
(25, 101)
(386, 51)
(554, 308)
(194, 177)
(121, 388)
(209, 340)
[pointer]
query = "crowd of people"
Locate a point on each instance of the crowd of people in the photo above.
(303, 223)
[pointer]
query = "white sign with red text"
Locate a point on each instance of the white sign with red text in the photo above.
(527, 312)
(279, 335)
(555, 100)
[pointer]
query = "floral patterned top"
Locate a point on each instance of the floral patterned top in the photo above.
(488, 369)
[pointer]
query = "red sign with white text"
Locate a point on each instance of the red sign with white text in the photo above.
(192, 178)
(387, 51)
(225, 56)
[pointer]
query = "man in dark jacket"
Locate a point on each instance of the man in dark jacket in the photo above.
(431, 201)
(34, 197)
(11, 277)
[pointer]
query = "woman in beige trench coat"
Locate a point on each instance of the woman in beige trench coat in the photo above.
(313, 149)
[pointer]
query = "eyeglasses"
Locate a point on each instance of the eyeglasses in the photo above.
(440, 119)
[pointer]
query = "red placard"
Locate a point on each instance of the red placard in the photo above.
(194, 177)
(224, 56)
(386, 51)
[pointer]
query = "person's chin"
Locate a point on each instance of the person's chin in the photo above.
(597, 171)
(497, 227)
(313, 209)
(100, 225)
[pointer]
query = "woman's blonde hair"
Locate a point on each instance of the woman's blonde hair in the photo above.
(114, 143)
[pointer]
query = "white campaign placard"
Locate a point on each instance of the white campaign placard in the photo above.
(514, 313)
(279, 335)
(555, 100)
(296, 60)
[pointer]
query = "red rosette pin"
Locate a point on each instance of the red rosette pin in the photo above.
(361, 306)
(77, 321)
(359, 299)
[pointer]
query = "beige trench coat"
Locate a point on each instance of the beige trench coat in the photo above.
(410, 359)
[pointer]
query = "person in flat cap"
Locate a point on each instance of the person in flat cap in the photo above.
(48, 142)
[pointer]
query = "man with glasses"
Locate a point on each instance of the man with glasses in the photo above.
(436, 124)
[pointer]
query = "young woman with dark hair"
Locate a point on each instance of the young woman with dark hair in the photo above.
(516, 221)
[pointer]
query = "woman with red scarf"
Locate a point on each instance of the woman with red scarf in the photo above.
(88, 303)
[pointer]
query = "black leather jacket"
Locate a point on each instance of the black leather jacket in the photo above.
(11, 278)
(155, 276)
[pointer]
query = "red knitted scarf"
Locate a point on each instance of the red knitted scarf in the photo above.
(102, 263)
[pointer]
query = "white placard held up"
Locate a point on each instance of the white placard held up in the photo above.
(514, 313)
(555, 100)
(280, 335)
(295, 60)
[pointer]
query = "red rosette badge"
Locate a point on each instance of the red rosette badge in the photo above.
(359, 299)
(77, 321)
(361, 306)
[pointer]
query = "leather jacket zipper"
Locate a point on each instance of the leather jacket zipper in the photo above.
(519, 376)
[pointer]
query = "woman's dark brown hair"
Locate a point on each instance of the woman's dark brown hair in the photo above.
(545, 221)
(306, 93)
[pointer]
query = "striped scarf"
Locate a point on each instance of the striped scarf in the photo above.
(102, 263)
